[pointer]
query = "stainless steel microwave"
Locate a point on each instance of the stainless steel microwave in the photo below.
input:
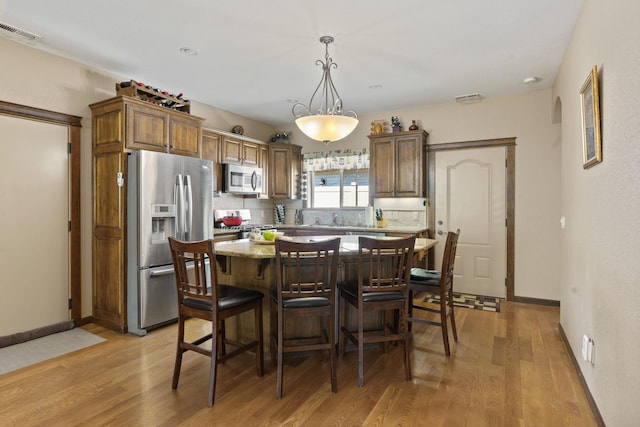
(238, 179)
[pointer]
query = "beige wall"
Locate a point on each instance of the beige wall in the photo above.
(37, 79)
(600, 246)
(529, 119)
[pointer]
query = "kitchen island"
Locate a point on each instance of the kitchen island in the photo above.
(252, 265)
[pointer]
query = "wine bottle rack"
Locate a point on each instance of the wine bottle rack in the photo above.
(153, 95)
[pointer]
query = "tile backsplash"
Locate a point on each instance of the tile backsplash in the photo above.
(399, 212)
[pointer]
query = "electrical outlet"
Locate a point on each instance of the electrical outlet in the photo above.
(562, 222)
(585, 345)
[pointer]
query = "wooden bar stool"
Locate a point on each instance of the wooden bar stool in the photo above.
(382, 285)
(306, 276)
(441, 283)
(201, 296)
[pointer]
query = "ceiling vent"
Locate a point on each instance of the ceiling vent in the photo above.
(15, 33)
(468, 99)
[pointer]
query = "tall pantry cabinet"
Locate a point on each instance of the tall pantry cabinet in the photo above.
(120, 125)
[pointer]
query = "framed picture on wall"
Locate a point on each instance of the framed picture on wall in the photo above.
(591, 139)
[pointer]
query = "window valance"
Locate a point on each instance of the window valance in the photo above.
(338, 159)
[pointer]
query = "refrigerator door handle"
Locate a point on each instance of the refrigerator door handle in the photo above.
(188, 223)
(162, 271)
(168, 270)
(180, 214)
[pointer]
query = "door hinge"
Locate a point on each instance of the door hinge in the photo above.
(68, 148)
(69, 226)
(505, 282)
(506, 163)
(506, 220)
(70, 304)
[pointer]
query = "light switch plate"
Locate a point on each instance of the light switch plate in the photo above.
(585, 346)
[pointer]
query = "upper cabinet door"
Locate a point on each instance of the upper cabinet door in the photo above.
(185, 136)
(211, 142)
(382, 167)
(398, 165)
(285, 164)
(146, 128)
(264, 164)
(409, 174)
(231, 150)
(240, 152)
(250, 153)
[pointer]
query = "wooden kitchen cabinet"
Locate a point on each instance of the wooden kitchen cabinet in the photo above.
(285, 165)
(220, 148)
(119, 126)
(398, 164)
(239, 151)
(211, 142)
(137, 125)
(263, 163)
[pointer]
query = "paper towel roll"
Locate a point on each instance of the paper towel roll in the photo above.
(369, 216)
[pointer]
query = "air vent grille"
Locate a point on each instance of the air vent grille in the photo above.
(472, 97)
(6, 29)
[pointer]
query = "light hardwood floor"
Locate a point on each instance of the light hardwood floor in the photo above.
(508, 369)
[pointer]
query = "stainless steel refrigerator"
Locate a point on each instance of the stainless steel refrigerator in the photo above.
(168, 196)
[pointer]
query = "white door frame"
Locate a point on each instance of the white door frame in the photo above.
(510, 183)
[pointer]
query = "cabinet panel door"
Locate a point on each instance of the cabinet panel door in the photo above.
(107, 130)
(108, 242)
(211, 151)
(146, 129)
(231, 150)
(264, 164)
(184, 136)
(382, 167)
(250, 153)
(409, 167)
(279, 173)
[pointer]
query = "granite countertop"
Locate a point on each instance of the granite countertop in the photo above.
(245, 248)
(390, 229)
(328, 228)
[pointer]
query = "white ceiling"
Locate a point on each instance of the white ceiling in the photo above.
(255, 55)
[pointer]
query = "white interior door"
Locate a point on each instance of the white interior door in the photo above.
(34, 213)
(470, 195)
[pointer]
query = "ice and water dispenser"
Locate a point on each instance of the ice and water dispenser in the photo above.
(163, 222)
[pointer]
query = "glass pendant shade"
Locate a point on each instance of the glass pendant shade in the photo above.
(326, 127)
(325, 120)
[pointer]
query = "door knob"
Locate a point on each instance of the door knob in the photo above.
(440, 222)
(440, 232)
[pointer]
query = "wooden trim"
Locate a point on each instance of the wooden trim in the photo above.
(510, 194)
(537, 301)
(32, 113)
(482, 143)
(583, 382)
(74, 125)
(510, 191)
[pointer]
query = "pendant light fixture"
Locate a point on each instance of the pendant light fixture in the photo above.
(325, 121)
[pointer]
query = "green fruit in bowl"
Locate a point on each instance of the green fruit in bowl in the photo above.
(268, 235)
